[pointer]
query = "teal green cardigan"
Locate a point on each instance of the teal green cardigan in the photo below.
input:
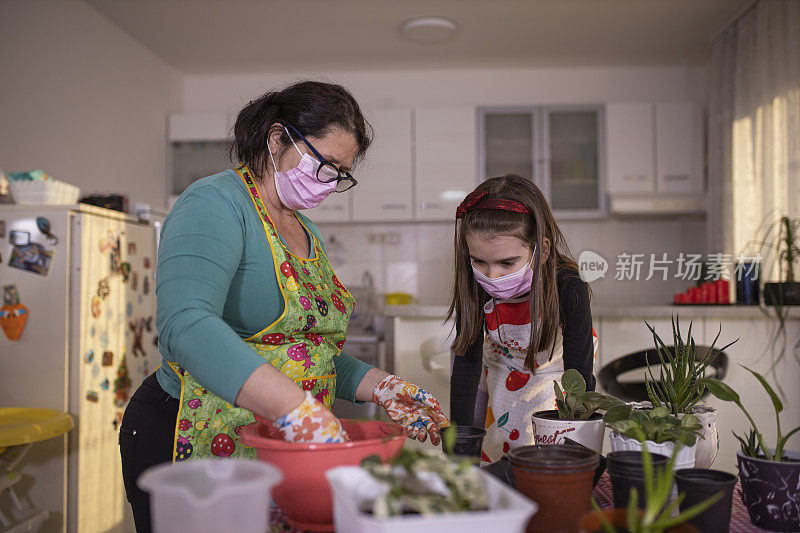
(216, 285)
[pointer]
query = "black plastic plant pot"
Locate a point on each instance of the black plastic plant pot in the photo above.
(783, 293)
(771, 491)
(625, 470)
(699, 484)
(469, 441)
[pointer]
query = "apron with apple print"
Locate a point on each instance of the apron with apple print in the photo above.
(302, 343)
(515, 392)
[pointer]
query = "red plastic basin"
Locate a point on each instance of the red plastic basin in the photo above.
(304, 494)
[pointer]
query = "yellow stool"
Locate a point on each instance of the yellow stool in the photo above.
(20, 427)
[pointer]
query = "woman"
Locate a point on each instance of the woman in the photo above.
(251, 317)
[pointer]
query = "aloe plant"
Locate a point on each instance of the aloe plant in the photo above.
(657, 425)
(727, 394)
(575, 402)
(657, 513)
(680, 385)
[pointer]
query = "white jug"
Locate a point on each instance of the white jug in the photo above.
(210, 495)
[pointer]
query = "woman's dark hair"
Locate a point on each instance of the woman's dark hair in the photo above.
(313, 107)
(466, 306)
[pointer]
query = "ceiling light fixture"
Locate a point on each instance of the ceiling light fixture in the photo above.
(429, 30)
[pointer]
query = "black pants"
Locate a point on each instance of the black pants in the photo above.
(146, 438)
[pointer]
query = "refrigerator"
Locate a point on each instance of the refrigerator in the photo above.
(86, 276)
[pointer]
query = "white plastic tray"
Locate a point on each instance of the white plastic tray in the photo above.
(509, 511)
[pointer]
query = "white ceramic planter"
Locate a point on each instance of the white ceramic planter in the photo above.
(684, 459)
(590, 433)
(509, 511)
(708, 445)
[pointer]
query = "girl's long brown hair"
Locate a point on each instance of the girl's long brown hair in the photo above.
(468, 296)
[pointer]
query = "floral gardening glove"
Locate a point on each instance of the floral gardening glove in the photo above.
(412, 407)
(310, 421)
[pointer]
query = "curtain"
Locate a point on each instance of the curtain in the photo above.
(754, 126)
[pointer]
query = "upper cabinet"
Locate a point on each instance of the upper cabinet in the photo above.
(445, 143)
(560, 148)
(384, 191)
(182, 127)
(655, 149)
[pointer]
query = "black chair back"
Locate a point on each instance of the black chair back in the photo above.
(635, 391)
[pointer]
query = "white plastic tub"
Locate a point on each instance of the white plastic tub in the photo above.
(46, 192)
(509, 511)
(210, 495)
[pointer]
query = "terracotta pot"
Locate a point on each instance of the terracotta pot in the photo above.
(549, 429)
(559, 478)
(618, 518)
(770, 491)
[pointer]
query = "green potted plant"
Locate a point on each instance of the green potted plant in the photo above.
(578, 415)
(656, 429)
(656, 514)
(770, 476)
(786, 244)
(679, 387)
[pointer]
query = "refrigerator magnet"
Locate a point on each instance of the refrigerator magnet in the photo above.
(131, 248)
(122, 384)
(19, 238)
(146, 286)
(137, 327)
(96, 308)
(2, 229)
(31, 257)
(108, 358)
(105, 384)
(91, 396)
(89, 357)
(125, 270)
(12, 320)
(146, 262)
(103, 288)
(10, 295)
(135, 281)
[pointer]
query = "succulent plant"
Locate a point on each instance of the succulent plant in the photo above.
(657, 425)
(575, 402)
(680, 385)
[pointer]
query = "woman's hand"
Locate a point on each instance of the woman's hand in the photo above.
(310, 421)
(412, 407)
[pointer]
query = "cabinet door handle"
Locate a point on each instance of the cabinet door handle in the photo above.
(676, 177)
(431, 205)
(393, 206)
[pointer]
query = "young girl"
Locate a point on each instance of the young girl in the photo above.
(520, 309)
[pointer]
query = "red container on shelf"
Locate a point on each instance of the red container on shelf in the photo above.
(722, 287)
(708, 293)
(694, 295)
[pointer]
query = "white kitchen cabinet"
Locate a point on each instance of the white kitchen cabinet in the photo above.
(384, 190)
(445, 146)
(679, 148)
(630, 148)
(654, 149)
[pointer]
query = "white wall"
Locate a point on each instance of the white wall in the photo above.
(82, 100)
(419, 263)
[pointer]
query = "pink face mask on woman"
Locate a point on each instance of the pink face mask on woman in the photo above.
(508, 286)
(299, 188)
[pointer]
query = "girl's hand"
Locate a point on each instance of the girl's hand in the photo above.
(310, 421)
(412, 407)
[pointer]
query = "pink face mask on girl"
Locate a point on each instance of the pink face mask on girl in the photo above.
(508, 286)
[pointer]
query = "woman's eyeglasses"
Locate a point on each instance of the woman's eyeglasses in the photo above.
(327, 171)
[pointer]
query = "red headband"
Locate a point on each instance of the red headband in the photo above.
(476, 200)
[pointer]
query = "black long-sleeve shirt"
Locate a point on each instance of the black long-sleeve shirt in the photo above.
(576, 322)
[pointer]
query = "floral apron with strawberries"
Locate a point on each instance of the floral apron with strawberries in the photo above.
(302, 343)
(515, 392)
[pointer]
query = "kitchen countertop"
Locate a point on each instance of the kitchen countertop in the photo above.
(621, 311)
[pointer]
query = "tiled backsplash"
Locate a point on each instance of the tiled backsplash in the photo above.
(417, 257)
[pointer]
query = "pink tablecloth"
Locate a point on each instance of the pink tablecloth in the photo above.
(740, 520)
